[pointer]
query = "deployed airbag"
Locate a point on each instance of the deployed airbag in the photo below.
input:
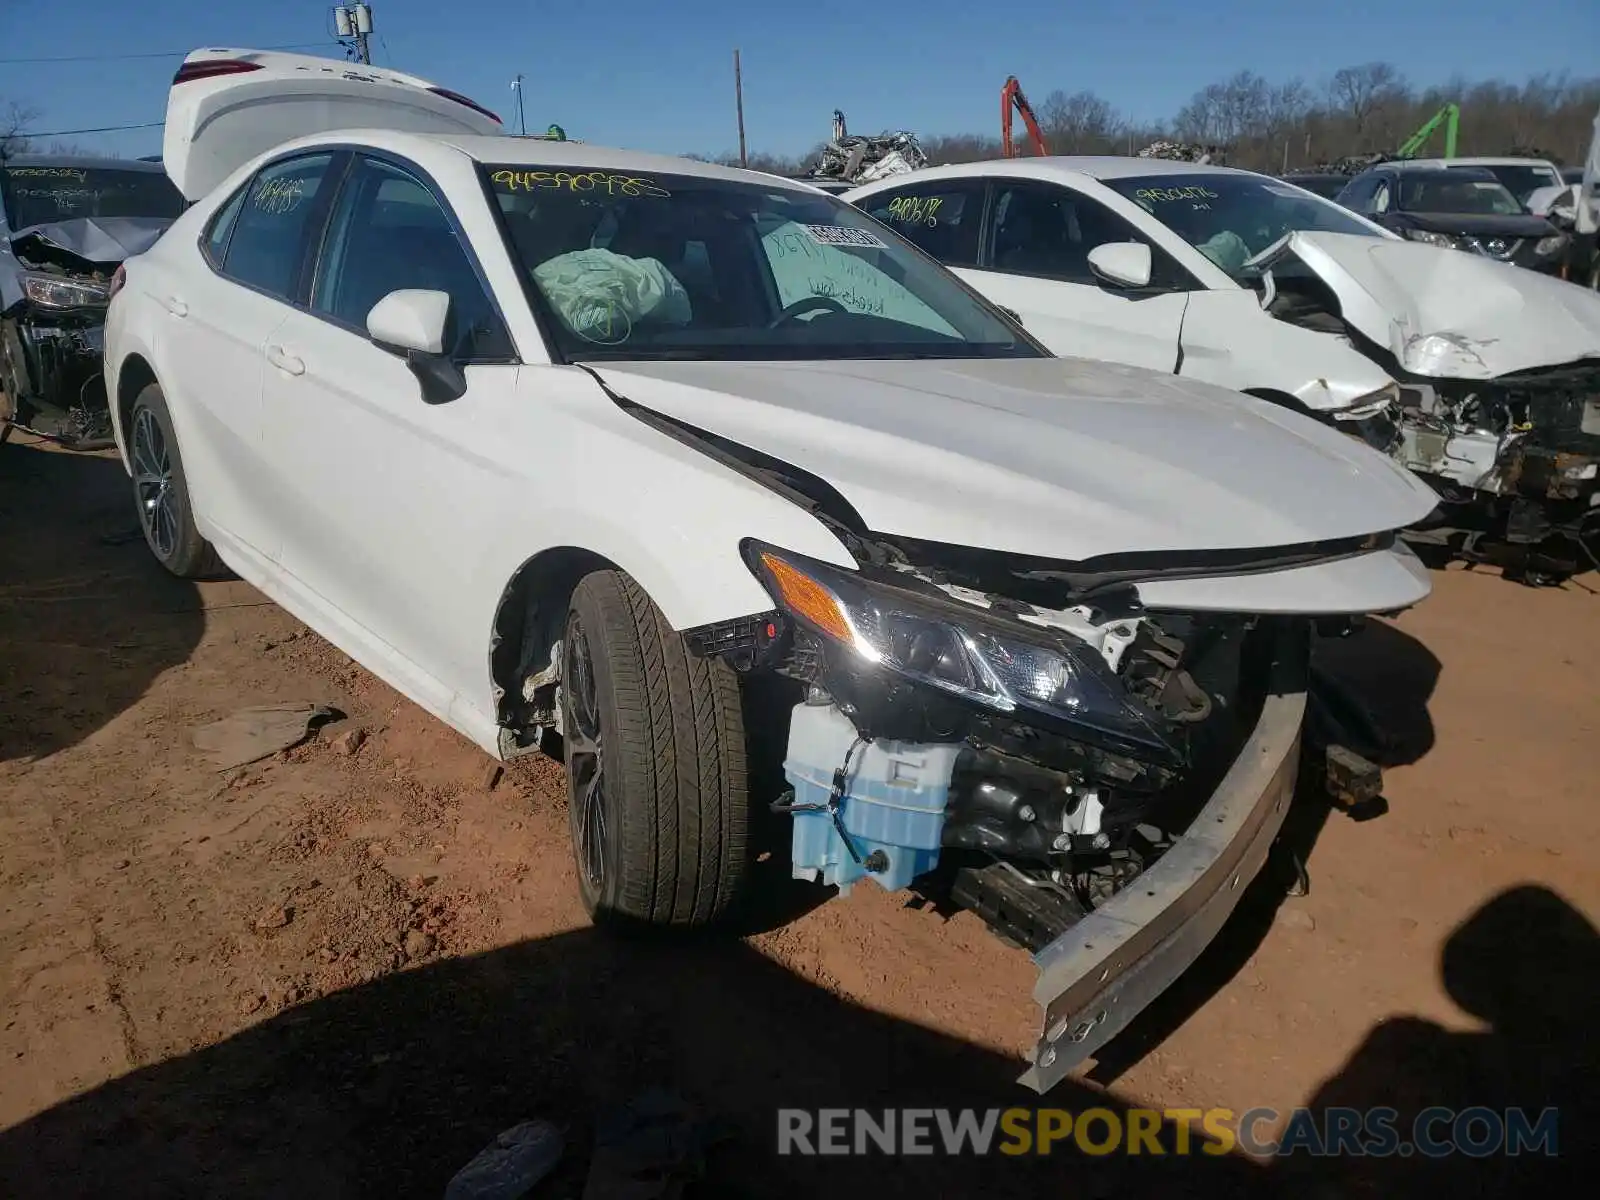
(601, 295)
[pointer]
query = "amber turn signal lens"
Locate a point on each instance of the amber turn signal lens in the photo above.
(807, 598)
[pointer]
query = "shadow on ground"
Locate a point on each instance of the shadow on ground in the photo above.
(1526, 965)
(88, 620)
(1392, 676)
(387, 1089)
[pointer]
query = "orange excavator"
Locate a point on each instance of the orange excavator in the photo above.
(1012, 100)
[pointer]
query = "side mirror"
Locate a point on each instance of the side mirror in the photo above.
(1122, 264)
(411, 323)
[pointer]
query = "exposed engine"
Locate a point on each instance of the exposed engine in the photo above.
(52, 344)
(1030, 819)
(1514, 460)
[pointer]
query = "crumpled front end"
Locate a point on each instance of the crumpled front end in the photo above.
(52, 336)
(1498, 389)
(1095, 780)
(1516, 461)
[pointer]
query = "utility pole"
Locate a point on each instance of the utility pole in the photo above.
(522, 123)
(355, 21)
(738, 100)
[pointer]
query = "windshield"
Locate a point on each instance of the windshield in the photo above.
(1523, 182)
(676, 266)
(1231, 218)
(41, 195)
(1447, 192)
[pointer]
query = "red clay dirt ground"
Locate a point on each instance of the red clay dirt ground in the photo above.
(341, 971)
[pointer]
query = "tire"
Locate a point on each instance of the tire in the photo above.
(655, 738)
(161, 491)
(11, 389)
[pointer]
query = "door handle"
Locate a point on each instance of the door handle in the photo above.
(284, 361)
(175, 306)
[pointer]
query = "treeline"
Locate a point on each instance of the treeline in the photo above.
(1269, 126)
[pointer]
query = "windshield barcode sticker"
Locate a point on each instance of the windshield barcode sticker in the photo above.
(843, 235)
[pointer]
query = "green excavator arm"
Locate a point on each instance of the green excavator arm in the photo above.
(1450, 117)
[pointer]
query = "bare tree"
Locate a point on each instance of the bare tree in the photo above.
(14, 122)
(1081, 123)
(1358, 92)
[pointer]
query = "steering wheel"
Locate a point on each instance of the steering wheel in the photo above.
(807, 304)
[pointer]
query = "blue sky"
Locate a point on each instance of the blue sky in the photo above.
(659, 76)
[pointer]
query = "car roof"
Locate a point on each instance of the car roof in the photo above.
(512, 151)
(1478, 161)
(84, 162)
(1105, 166)
(517, 152)
(1467, 172)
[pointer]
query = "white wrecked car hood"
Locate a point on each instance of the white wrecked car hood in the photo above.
(1057, 458)
(1447, 312)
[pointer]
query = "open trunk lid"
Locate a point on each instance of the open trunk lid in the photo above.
(227, 106)
(1448, 313)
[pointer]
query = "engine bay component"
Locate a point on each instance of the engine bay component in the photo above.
(862, 808)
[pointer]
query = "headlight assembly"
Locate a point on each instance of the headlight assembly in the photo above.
(55, 291)
(1547, 246)
(1428, 238)
(993, 663)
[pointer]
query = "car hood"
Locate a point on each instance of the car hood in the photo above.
(1058, 458)
(1515, 225)
(1448, 313)
(97, 240)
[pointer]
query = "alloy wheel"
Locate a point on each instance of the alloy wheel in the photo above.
(584, 739)
(153, 484)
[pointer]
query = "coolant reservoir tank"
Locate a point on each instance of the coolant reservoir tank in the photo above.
(892, 809)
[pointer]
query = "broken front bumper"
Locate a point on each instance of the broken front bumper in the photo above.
(57, 357)
(1100, 974)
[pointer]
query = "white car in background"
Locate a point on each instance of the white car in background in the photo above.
(656, 455)
(1482, 378)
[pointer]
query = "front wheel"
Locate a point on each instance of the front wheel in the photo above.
(161, 491)
(655, 749)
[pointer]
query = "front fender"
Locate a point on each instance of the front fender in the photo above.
(619, 489)
(1229, 340)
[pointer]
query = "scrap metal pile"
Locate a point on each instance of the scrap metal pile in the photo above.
(1350, 164)
(1185, 152)
(855, 159)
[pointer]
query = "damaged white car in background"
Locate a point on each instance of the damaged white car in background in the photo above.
(1481, 377)
(756, 508)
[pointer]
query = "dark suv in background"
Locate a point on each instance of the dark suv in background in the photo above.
(1461, 208)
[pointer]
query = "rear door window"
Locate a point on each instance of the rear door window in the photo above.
(941, 219)
(268, 241)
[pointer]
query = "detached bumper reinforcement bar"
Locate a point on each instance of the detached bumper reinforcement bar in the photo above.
(1100, 974)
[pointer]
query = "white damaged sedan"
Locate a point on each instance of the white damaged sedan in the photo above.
(691, 466)
(1482, 377)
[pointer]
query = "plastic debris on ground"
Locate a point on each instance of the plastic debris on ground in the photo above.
(511, 1165)
(255, 733)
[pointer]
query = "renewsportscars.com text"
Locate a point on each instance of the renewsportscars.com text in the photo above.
(1261, 1132)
